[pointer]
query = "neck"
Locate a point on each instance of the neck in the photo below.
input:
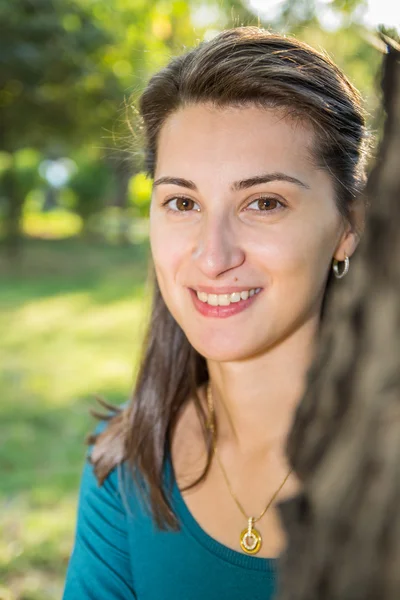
(255, 400)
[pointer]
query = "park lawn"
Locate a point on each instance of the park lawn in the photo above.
(72, 316)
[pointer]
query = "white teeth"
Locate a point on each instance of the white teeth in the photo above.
(226, 299)
(213, 299)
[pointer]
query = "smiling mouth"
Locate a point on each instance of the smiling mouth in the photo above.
(226, 299)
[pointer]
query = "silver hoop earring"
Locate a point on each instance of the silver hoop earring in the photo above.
(335, 267)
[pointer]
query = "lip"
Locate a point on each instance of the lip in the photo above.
(221, 312)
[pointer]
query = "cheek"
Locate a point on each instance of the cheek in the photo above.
(306, 265)
(312, 237)
(279, 251)
(169, 251)
(298, 254)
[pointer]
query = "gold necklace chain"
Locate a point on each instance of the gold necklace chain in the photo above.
(250, 538)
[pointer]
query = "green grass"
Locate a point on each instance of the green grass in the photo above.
(72, 316)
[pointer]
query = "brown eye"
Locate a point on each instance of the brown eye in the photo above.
(267, 203)
(184, 204)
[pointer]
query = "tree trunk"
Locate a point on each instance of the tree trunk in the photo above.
(123, 171)
(13, 214)
(344, 528)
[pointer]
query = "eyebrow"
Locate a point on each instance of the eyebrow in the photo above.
(243, 184)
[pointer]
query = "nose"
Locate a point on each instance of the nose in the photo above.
(217, 249)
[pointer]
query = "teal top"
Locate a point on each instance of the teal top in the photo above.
(119, 553)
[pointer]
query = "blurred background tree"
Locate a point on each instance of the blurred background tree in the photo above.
(51, 96)
(73, 208)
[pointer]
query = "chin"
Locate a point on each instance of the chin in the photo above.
(222, 355)
(224, 348)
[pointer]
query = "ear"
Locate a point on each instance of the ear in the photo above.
(352, 232)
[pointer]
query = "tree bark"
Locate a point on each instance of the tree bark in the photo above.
(123, 171)
(13, 215)
(344, 527)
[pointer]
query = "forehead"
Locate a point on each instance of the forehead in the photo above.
(240, 139)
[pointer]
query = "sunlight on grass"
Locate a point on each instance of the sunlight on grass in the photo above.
(35, 544)
(71, 323)
(67, 346)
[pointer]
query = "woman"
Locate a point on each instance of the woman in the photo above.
(256, 144)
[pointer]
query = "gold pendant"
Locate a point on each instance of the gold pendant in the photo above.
(250, 539)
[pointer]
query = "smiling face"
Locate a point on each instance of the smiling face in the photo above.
(243, 228)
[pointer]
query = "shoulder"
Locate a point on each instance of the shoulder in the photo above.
(105, 471)
(101, 491)
(107, 503)
(108, 443)
(100, 565)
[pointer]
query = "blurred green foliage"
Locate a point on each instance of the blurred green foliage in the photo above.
(66, 68)
(91, 183)
(50, 52)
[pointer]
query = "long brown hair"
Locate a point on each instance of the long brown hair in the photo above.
(240, 67)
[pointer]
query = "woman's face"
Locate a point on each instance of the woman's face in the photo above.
(243, 228)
